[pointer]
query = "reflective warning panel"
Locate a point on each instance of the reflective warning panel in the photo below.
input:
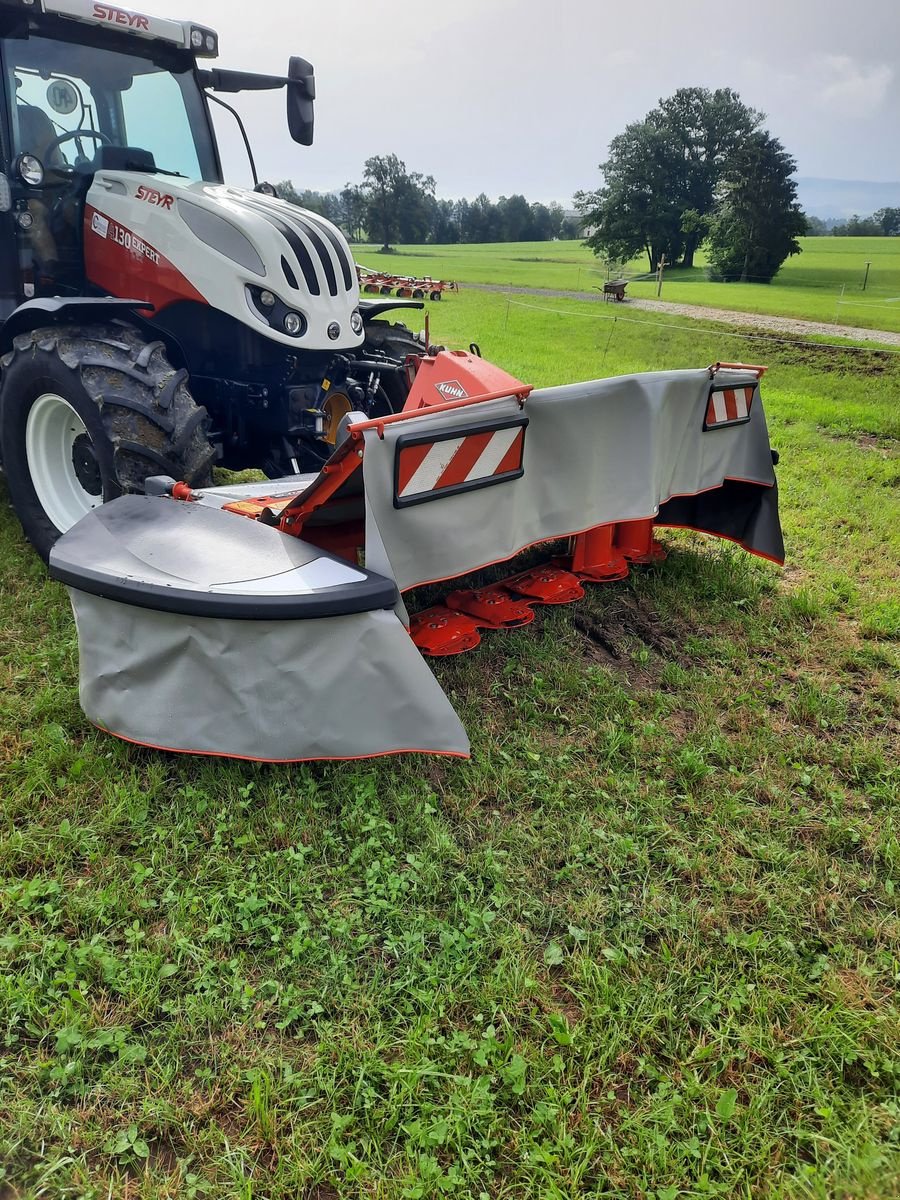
(729, 406)
(434, 466)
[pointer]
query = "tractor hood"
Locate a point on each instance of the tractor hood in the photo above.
(147, 237)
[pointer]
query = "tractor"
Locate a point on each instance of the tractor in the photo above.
(155, 320)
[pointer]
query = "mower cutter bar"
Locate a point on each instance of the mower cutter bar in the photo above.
(601, 555)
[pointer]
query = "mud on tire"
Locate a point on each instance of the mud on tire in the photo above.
(138, 417)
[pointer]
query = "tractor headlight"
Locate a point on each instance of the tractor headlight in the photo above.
(31, 170)
(356, 322)
(273, 311)
(204, 42)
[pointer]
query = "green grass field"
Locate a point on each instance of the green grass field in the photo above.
(824, 283)
(644, 945)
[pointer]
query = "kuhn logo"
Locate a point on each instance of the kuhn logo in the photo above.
(152, 196)
(117, 16)
(452, 389)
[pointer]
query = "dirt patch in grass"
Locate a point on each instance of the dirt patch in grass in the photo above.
(881, 444)
(630, 623)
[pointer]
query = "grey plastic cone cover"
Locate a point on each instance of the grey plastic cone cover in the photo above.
(338, 687)
(595, 453)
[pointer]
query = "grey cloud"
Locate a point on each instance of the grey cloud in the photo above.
(524, 96)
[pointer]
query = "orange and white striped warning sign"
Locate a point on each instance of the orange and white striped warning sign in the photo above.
(430, 468)
(729, 406)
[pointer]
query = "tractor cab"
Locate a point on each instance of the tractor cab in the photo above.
(90, 87)
(76, 108)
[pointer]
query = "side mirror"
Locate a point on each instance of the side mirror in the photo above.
(301, 96)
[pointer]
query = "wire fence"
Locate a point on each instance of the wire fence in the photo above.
(676, 275)
(704, 333)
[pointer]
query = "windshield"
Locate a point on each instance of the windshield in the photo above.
(103, 97)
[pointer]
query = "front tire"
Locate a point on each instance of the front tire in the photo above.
(87, 415)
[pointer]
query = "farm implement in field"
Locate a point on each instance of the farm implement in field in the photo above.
(240, 620)
(403, 286)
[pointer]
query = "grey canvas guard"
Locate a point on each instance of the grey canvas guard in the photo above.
(203, 632)
(595, 453)
(272, 691)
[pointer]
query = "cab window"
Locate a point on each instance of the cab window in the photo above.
(71, 99)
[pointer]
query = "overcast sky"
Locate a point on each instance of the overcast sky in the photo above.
(507, 96)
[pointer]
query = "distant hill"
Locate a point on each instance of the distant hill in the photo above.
(841, 198)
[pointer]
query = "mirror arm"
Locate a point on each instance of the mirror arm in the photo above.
(243, 128)
(240, 81)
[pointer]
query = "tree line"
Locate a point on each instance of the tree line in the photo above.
(883, 223)
(699, 168)
(393, 204)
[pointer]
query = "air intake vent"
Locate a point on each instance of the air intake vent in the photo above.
(325, 258)
(340, 250)
(289, 274)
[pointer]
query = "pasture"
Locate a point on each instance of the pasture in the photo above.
(824, 283)
(643, 945)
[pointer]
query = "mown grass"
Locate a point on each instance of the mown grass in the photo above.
(824, 283)
(643, 945)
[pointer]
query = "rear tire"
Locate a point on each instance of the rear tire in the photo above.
(87, 415)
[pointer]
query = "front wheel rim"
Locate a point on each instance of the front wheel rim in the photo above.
(52, 431)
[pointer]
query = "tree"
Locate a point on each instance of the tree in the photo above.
(633, 212)
(571, 228)
(661, 176)
(889, 220)
(757, 218)
(703, 129)
(858, 226)
(515, 218)
(397, 200)
(324, 203)
(816, 227)
(444, 223)
(353, 211)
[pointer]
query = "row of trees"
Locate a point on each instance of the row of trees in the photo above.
(393, 204)
(883, 223)
(698, 168)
